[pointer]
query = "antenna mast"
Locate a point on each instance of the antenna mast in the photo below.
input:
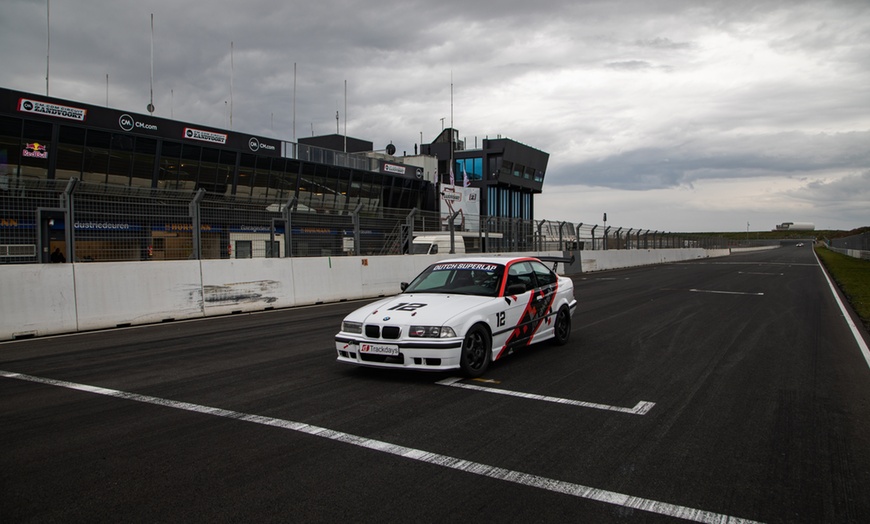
(232, 74)
(151, 102)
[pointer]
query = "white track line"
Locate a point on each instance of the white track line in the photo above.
(846, 316)
(726, 292)
(475, 468)
(641, 408)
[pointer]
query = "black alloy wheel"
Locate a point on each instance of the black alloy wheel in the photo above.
(476, 352)
(562, 329)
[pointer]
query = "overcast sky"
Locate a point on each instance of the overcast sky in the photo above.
(676, 115)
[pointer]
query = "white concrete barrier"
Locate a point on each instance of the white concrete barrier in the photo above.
(45, 299)
(242, 285)
(111, 294)
(36, 300)
(751, 249)
(623, 258)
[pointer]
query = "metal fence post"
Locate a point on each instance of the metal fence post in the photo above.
(406, 241)
(66, 202)
(196, 223)
(486, 245)
(356, 241)
(271, 252)
(452, 228)
(288, 227)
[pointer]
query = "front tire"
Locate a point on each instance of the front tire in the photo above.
(562, 327)
(476, 352)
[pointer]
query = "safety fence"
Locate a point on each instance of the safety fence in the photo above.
(69, 220)
(856, 246)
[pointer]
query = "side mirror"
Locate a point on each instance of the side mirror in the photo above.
(404, 286)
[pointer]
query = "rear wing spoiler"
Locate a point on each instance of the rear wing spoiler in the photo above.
(557, 260)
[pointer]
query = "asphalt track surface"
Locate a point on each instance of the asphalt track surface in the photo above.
(716, 390)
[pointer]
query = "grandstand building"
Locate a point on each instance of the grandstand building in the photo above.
(49, 139)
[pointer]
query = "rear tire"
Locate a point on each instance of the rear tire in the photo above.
(562, 327)
(476, 352)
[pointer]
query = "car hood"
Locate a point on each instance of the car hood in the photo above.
(424, 309)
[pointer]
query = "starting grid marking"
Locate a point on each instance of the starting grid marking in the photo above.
(642, 407)
(725, 292)
(474, 468)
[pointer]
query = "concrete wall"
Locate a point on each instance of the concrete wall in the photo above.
(47, 299)
(37, 299)
(590, 261)
(854, 253)
(750, 249)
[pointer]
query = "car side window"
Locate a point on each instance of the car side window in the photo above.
(544, 275)
(520, 274)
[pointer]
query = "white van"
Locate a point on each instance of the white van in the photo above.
(432, 244)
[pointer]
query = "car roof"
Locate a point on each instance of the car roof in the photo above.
(490, 259)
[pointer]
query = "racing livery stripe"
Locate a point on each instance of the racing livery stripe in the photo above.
(547, 317)
(531, 319)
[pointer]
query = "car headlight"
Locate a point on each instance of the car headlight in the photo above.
(351, 327)
(431, 332)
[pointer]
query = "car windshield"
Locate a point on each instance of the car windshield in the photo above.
(463, 278)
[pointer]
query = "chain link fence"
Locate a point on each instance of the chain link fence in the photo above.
(69, 220)
(856, 246)
(860, 242)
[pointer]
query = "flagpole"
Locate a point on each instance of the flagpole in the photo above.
(48, 35)
(232, 74)
(345, 116)
(451, 127)
(151, 102)
(294, 106)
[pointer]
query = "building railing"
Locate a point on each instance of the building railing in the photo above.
(86, 222)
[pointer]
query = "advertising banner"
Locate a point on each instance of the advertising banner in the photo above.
(465, 200)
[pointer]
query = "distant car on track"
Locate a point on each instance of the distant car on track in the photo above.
(462, 314)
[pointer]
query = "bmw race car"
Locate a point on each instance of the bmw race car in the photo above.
(461, 313)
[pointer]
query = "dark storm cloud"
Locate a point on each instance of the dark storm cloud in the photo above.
(787, 154)
(625, 94)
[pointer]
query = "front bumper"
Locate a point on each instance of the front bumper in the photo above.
(423, 354)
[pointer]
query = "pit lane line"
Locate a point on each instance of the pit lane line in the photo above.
(642, 407)
(475, 468)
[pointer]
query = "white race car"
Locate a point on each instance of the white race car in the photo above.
(461, 313)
